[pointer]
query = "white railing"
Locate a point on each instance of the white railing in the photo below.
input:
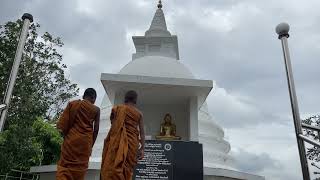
(305, 138)
(22, 176)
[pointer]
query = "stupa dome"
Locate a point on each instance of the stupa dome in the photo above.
(157, 66)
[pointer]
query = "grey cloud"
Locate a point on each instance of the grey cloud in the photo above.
(266, 149)
(258, 162)
(247, 60)
(90, 74)
(263, 164)
(11, 10)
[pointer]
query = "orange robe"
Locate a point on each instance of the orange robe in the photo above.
(120, 149)
(76, 123)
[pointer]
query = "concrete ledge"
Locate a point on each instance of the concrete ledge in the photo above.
(53, 168)
(209, 173)
(49, 172)
(156, 80)
(214, 173)
(167, 90)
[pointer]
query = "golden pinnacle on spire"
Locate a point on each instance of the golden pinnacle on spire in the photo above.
(160, 4)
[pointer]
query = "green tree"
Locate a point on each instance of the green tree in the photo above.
(18, 149)
(48, 139)
(40, 91)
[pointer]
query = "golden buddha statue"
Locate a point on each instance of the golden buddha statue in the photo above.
(168, 129)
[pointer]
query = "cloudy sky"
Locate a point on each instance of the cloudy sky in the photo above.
(232, 42)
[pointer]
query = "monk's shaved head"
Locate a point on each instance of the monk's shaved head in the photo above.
(90, 93)
(131, 97)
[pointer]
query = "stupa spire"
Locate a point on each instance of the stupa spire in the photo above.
(157, 40)
(160, 4)
(158, 27)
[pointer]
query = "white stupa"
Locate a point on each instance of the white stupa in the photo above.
(164, 85)
(164, 62)
(157, 55)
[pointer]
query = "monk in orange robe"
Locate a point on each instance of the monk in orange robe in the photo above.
(121, 147)
(79, 124)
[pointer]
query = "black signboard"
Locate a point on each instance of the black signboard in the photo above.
(168, 160)
(157, 163)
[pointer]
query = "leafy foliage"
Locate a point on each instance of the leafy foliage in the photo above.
(40, 91)
(23, 147)
(41, 87)
(18, 149)
(49, 140)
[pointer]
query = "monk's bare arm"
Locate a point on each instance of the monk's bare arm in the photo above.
(142, 135)
(96, 126)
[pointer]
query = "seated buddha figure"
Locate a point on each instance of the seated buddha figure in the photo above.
(168, 129)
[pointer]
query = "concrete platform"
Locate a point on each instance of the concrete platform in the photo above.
(49, 173)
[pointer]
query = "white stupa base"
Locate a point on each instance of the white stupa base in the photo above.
(219, 173)
(228, 174)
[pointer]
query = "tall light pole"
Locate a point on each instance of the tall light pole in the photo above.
(283, 32)
(27, 19)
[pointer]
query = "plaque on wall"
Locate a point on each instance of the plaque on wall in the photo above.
(170, 160)
(157, 162)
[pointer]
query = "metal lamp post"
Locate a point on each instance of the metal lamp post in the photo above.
(283, 32)
(27, 19)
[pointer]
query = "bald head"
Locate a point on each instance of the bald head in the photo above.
(90, 94)
(131, 97)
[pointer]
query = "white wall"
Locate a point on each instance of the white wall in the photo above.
(193, 116)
